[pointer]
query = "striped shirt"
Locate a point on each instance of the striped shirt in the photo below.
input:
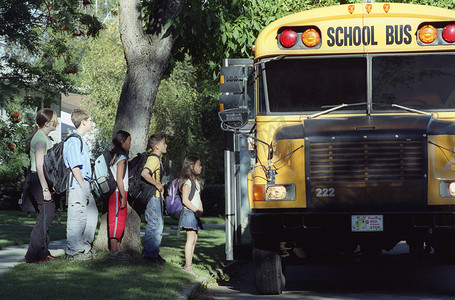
(75, 158)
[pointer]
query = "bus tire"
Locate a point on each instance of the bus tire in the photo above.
(268, 272)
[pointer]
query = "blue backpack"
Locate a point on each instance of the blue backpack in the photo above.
(173, 201)
(103, 181)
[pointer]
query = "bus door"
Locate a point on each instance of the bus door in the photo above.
(236, 103)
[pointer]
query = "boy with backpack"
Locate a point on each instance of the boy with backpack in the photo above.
(152, 174)
(82, 210)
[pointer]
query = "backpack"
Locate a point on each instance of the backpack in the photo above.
(173, 200)
(55, 171)
(104, 183)
(139, 191)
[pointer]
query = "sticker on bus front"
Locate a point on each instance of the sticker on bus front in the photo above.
(367, 223)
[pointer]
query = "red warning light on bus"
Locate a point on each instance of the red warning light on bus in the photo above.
(288, 38)
(448, 33)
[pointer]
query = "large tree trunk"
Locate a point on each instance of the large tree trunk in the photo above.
(130, 242)
(147, 56)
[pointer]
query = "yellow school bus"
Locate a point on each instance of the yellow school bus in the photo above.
(344, 122)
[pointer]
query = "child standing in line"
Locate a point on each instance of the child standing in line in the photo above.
(152, 174)
(193, 208)
(117, 205)
(82, 210)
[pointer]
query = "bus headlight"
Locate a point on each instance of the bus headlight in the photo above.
(452, 189)
(280, 192)
(447, 189)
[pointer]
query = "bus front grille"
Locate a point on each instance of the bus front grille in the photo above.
(365, 174)
(363, 162)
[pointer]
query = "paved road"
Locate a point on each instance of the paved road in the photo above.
(392, 276)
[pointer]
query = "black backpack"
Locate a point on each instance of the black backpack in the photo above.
(139, 190)
(57, 174)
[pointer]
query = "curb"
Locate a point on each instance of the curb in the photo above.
(188, 291)
(199, 283)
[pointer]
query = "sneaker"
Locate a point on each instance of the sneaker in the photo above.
(189, 270)
(80, 256)
(155, 260)
(160, 260)
(36, 261)
(119, 255)
(50, 257)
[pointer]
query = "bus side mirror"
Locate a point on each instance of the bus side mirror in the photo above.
(229, 101)
(231, 79)
(233, 118)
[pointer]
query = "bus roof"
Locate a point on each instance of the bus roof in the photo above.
(349, 28)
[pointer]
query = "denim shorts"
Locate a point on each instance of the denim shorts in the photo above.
(189, 221)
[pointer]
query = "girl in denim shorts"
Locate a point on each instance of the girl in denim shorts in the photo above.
(193, 209)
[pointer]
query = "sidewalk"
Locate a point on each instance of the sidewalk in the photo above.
(13, 255)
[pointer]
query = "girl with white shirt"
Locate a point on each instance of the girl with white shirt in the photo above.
(193, 208)
(117, 206)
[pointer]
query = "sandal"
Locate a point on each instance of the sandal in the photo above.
(119, 255)
(189, 270)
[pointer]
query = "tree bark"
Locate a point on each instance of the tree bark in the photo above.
(147, 55)
(130, 242)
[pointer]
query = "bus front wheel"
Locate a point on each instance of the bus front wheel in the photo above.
(268, 272)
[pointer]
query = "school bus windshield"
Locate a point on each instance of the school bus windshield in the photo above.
(309, 84)
(422, 81)
(418, 81)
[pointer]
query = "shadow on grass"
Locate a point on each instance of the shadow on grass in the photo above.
(100, 278)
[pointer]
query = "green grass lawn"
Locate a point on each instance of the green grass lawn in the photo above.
(104, 277)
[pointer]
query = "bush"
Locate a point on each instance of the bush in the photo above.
(15, 129)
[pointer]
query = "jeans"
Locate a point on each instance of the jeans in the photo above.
(39, 239)
(82, 219)
(154, 227)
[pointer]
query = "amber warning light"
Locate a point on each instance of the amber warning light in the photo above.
(299, 38)
(428, 34)
(437, 34)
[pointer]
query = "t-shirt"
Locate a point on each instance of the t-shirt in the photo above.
(153, 165)
(39, 136)
(114, 172)
(196, 201)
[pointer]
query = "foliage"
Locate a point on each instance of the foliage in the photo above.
(229, 28)
(14, 131)
(101, 77)
(33, 35)
(186, 111)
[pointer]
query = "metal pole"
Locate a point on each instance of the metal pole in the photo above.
(229, 212)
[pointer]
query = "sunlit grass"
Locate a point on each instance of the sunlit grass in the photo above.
(16, 226)
(104, 277)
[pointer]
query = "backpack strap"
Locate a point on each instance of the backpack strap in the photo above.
(70, 182)
(190, 197)
(193, 190)
(74, 135)
(161, 166)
